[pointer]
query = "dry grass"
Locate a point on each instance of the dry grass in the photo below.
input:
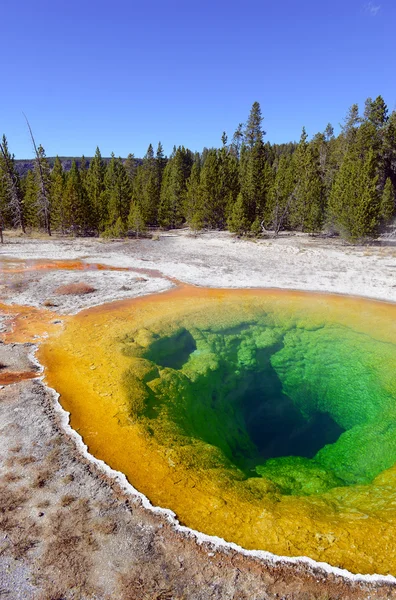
(11, 477)
(24, 539)
(23, 461)
(16, 449)
(67, 499)
(49, 303)
(68, 552)
(12, 499)
(141, 588)
(41, 478)
(21, 534)
(53, 456)
(75, 289)
(105, 526)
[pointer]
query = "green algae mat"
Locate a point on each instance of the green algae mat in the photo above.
(267, 418)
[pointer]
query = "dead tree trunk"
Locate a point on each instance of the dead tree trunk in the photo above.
(43, 198)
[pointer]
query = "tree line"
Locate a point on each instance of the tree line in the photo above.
(344, 184)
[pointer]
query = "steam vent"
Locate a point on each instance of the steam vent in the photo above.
(267, 418)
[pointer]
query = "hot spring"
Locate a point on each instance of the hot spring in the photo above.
(266, 418)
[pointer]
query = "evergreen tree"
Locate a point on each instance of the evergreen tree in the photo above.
(389, 149)
(57, 196)
(147, 185)
(281, 196)
(238, 221)
(253, 131)
(30, 193)
(130, 167)
(83, 170)
(306, 211)
(95, 187)
(255, 174)
(161, 160)
(237, 141)
(136, 222)
(213, 196)
(255, 177)
(117, 192)
(4, 212)
(11, 185)
(388, 201)
(193, 208)
(43, 180)
(354, 205)
(174, 188)
(376, 112)
(75, 204)
(349, 128)
(228, 181)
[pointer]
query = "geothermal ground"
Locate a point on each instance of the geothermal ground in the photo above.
(68, 529)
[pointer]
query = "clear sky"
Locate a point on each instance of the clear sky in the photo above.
(123, 73)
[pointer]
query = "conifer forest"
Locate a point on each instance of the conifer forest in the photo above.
(341, 184)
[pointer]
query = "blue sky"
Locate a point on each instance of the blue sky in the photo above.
(122, 74)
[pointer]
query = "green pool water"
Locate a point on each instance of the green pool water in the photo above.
(307, 407)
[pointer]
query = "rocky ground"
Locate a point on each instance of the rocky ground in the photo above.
(70, 530)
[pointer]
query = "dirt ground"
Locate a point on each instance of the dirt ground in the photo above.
(68, 529)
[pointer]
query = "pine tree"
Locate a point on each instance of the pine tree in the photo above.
(389, 149)
(83, 170)
(237, 141)
(11, 185)
(174, 188)
(147, 185)
(280, 196)
(43, 179)
(253, 131)
(95, 187)
(323, 146)
(161, 159)
(118, 192)
(4, 216)
(229, 188)
(354, 205)
(368, 210)
(193, 208)
(213, 203)
(77, 209)
(388, 201)
(306, 211)
(30, 193)
(136, 222)
(254, 175)
(57, 196)
(376, 112)
(238, 221)
(130, 167)
(349, 129)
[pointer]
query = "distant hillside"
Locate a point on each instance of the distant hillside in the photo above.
(24, 165)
